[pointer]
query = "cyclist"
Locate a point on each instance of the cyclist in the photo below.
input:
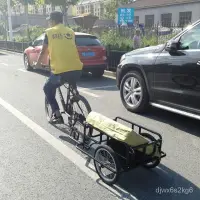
(65, 62)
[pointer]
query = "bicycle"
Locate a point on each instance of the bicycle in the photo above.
(74, 118)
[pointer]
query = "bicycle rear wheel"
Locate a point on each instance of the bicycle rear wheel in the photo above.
(80, 110)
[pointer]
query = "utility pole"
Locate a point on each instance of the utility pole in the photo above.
(10, 21)
(27, 19)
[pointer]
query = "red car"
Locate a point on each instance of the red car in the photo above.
(92, 53)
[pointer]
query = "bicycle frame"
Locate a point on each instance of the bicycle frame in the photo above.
(64, 104)
(70, 93)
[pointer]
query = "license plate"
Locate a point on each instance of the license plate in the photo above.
(88, 54)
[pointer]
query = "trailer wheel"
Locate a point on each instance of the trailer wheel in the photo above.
(107, 157)
(156, 162)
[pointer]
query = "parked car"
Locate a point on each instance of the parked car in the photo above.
(165, 76)
(92, 53)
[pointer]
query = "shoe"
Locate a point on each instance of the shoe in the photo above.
(56, 120)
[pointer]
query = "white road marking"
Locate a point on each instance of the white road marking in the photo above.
(101, 87)
(88, 93)
(5, 64)
(22, 70)
(84, 90)
(109, 77)
(75, 158)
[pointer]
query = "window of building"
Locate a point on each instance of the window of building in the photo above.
(149, 20)
(185, 18)
(166, 19)
(136, 18)
(82, 10)
(92, 9)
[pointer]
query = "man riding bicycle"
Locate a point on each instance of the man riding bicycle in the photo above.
(65, 62)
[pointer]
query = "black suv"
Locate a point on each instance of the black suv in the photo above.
(165, 76)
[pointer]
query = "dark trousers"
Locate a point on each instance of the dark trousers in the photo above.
(55, 81)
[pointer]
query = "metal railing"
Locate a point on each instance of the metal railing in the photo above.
(113, 56)
(114, 59)
(14, 46)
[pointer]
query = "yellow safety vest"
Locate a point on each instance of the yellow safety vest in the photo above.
(62, 49)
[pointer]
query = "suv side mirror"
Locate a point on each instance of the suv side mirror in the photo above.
(171, 46)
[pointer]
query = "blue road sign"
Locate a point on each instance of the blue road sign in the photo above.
(125, 15)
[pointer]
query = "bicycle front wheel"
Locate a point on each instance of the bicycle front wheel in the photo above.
(80, 110)
(48, 110)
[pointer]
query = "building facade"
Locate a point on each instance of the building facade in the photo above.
(41, 10)
(166, 12)
(94, 7)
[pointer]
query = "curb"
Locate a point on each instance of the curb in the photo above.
(110, 73)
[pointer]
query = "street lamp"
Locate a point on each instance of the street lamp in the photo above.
(10, 21)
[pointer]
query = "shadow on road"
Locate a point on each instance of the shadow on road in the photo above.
(180, 122)
(66, 130)
(143, 184)
(159, 183)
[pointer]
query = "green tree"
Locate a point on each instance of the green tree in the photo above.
(64, 5)
(3, 5)
(4, 10)
(111, 7)
(26, 3)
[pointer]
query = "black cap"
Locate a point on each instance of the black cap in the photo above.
(55, 16)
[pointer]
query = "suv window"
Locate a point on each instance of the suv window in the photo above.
(39, 41)
(191, 39)
(82, 40)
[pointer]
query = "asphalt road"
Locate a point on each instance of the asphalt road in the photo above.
(38, 161)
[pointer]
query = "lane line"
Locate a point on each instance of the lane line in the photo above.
(22, 70)
(5, 64)
(111, 77)
(100, 87)
(71, 155)
(88, 93)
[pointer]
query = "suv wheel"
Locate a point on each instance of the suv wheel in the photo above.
(27, 63)
(133, 92)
